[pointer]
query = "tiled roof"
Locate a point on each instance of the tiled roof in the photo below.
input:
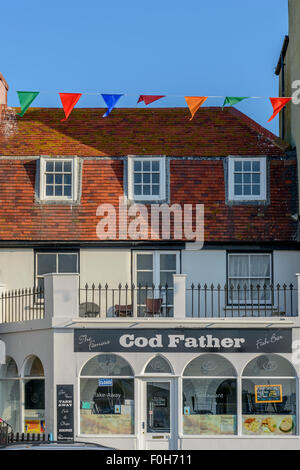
(158, 131)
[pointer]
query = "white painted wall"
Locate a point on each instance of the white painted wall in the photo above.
(17, 268)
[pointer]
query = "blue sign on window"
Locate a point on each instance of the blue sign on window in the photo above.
(105, 382)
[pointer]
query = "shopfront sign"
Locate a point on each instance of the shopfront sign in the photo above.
(65, 412)
(268, 393)
(258, 340)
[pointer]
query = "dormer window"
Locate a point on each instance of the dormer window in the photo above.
(146, 178)
(247, 179)
(58, 179)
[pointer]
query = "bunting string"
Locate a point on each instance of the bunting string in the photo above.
(69, 100)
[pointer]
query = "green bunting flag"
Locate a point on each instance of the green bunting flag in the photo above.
(26, 98)
(231, 100)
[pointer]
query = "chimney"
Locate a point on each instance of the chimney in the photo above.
(3, 93)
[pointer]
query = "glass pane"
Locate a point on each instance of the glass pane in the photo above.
(146, 189)
(238, 265)
(49, 190)
(10, 403)
(238, 190)
(166, 278)
(238, 178)
(106, 406)
(255, 166)
(58, 179)
(137, 189)
(34, 406)
(256, 178)
(158, 365)
(137, 177)
(58, 190)
(211, 365)
(145, 278)
(247, 166)
(34, 367)
(168, 262)
(269, 366)
(146, 165)
(144, 261)
(158, 407)
(49, 179)
(9, 369)
(67, 191)
(67, 263)
(68, 167)
(247, 190)
(260, 266)
(247, 178)
(146, 177)
(58, 166)
(67, 179)
(237, 166)
(255, 190)
(49, 166)
(46, 263)
(107, 365)
(209, 406)
(155, 178)
(155, 166)
(137, 166)
(155, 190)
(269, 407)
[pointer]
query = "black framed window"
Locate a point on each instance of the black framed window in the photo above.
(55, 262)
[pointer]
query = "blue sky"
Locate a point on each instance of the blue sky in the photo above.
(168, 47)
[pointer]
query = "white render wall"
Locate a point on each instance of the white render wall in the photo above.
(16, 268)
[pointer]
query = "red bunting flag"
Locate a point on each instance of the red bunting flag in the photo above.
(278, 104)
(149, 98)
(68, 100)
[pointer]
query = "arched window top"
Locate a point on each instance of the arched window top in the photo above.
(9, 369)
(269, 365)
(210, 365)
(158, 365)
(107, 365)
(33, 367)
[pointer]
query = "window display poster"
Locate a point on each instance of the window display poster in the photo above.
(268, 393)
(201, 424)
(65, 412)
(269, 424)
(34, 426)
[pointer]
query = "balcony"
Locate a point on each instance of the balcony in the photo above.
(64, 299)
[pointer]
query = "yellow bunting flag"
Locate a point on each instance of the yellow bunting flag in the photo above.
(194, 103)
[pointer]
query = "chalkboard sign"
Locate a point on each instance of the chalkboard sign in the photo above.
(268, 393)
(65, 412)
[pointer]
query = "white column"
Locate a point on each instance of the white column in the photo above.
(62, 296)
(179, 295)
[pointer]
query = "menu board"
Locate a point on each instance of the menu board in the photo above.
(268, 393)
(65, 412)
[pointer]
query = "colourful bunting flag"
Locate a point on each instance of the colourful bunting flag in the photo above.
(68, 100)
(194, 103)
(26, 98)
(110, 101)
(231, 100)
(149, 98)
(278, 104)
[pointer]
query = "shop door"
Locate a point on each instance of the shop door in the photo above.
(158, 427)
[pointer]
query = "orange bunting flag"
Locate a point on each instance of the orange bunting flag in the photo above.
(194, 103)
(278, 104)
(68, 100)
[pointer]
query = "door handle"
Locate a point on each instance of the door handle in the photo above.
(143, 425)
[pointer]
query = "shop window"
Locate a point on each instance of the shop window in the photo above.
(209, 396)
(269, 397)
(10, 393)
(158, 365)
(107, 396)
(34, 396)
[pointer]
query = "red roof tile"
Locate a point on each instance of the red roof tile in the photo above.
(159, 131)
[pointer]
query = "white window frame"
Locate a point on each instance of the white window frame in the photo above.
(56, 253)
(74, 191)
(156, 263)
(248, 278)
(162, 185)
(263, 179)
